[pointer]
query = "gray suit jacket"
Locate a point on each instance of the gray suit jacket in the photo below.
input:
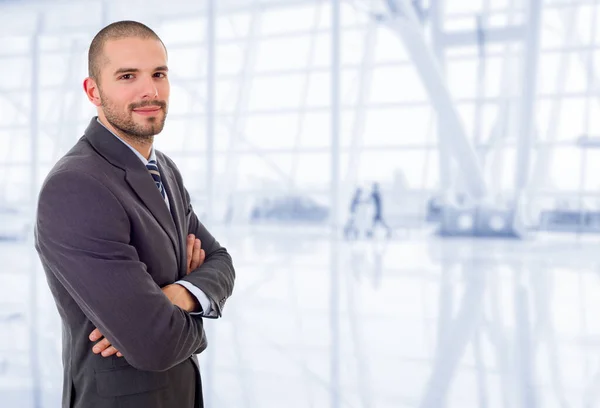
(108, 243)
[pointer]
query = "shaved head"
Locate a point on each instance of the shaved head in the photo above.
(128, 81)
(115, 31)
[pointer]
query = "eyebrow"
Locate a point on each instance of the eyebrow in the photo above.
(135, 70)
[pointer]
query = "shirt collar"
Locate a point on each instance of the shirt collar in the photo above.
(142, 158)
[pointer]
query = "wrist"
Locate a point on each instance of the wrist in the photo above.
(191, 303)
(194, 305)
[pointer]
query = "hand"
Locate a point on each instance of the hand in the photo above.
(103, 346)
(195, 254)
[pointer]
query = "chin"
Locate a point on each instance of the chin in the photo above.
(153, 129)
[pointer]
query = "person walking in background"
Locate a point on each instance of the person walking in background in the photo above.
(351, 229)
(132, 269)
(377, 212)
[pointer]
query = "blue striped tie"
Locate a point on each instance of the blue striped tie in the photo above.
(153, 169)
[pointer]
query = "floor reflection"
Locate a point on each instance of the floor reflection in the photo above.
(418, 321)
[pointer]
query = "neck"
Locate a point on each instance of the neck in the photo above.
(141, 144)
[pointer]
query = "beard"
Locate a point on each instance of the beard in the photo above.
(124, 122)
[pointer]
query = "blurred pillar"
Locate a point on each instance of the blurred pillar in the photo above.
(34, 127)
(210, 107)
(403, 21)
(211, 329)
(436, 11)
(528, 98)
(335, 79)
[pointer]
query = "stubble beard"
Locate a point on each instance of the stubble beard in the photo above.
(125, 123)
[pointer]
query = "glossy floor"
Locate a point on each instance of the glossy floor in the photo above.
(416, 321)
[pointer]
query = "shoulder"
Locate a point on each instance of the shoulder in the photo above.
(67, 188)
(80, 172)
(82, 164)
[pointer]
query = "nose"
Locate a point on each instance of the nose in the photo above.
(149, 89)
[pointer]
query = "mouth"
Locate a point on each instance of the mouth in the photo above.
(148, 111)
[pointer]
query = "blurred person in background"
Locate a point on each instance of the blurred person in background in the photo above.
(375, 197)
(131, 268)
(351, 228)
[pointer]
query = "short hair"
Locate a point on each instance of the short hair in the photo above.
(115, 31)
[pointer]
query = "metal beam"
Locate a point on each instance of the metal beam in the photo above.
(545, 153)
(492, 35)
(245, 78)
(304, 98)
(406, 25)
(500, 136)
(364, 81)
(436, 12)
(528, 100)
(17, 19)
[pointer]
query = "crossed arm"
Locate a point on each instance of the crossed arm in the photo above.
(177, 294)
(79, 244)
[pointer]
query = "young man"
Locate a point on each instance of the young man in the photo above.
(120, 243)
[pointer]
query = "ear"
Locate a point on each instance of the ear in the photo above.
(91, 90)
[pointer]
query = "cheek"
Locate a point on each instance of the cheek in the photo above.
(123, 97)
(118, 105)
(116, 98)
(164, 90)
(123, 103)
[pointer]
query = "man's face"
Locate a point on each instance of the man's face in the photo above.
(134, 87)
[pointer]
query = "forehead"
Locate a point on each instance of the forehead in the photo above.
(134, 53)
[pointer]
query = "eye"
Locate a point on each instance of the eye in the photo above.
(160, 75)
(126, 76)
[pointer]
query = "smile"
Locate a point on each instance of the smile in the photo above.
(146, 111)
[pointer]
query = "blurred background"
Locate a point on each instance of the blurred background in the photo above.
(408, 188)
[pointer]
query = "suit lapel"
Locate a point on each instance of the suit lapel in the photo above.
(143, 184)
(177, 212)
(136, 175)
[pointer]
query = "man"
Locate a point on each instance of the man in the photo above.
(120, 242)
(377, 214)
(351, 228)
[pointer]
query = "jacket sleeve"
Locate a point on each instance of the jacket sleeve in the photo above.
(82, 236)
(216, 276)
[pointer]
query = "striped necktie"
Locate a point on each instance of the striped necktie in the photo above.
(153, 169)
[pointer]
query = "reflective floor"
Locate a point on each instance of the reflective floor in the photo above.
(412, 322)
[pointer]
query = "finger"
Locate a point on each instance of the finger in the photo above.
(109, 352)
(101, 346)
(196, 255)
(190, 249)
(202, 256)
(119, 354)
(95, 335)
